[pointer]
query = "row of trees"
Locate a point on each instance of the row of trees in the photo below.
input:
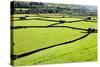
(38, 7)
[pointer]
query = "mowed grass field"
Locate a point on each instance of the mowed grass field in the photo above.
(81, 48)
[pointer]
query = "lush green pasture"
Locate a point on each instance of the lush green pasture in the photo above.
(31, 39)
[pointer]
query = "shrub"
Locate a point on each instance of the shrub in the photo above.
(61, 21)
(87, 18)
(91, 30)
(23, 18)
(26, 16)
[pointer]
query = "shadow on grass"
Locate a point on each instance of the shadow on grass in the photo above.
(45, 48)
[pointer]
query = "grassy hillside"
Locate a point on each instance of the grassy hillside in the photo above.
(73, 42)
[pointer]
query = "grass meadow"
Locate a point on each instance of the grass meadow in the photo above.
(58, 42)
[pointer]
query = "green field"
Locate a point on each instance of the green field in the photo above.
(44, 30)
